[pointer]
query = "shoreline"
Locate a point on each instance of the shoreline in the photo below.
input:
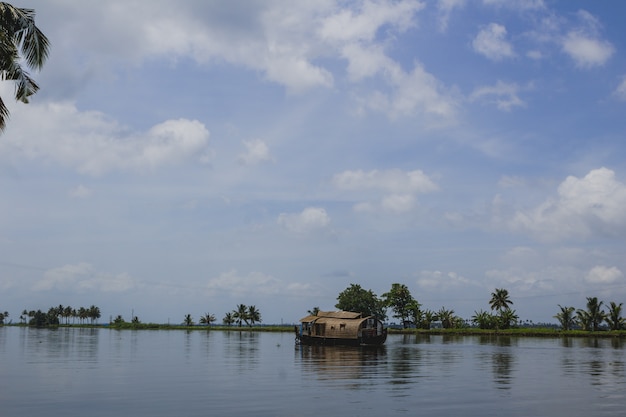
(519, 332)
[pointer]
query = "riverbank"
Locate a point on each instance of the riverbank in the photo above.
(469, 331)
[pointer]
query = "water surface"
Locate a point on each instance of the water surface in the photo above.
(103, 372)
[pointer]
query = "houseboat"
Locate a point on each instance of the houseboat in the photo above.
(340, 328)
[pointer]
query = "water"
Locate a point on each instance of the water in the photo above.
(103, 372)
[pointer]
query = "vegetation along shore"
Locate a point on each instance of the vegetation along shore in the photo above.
(597, 319)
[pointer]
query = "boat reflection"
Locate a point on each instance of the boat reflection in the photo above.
(342, 363)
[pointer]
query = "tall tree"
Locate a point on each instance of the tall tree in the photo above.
(94, 314)
(400, 300)
(21, 42)
(500, 300)
(314, 311)
(188, 320)
(241, 314)
(614, 316)
(356, 299)
(566, 317)
(254, 315)
(228, 319)
(207, 319)
(594, 315)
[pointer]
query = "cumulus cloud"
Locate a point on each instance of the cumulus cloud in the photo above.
(584, 44)
(491, 42)
(309, 220)
(603, 275)
(504, 95)
(257, 151)
(585, 51)
(255, 283)
(620, 91)
(445, 8)
(394, 190)
(92, 144)
(583, 207)
(83, 277)
(441, 281)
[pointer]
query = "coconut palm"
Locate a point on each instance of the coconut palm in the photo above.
(241, 314)
(614, 317)
(447, 318)
(591, 318)
(313, 311)
(507, 319)
(254, 315)
(228, 319)
(566, 317)
(21, 42)
(207, 319)
(483, 319)
(94, 314)
(188, 320)
(500, 300)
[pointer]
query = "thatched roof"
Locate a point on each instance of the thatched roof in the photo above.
(346, 315)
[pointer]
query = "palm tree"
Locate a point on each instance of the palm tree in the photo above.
(313, 311)
(484, 319)
(566, 317)
(446, 317)
(254, 315)
(188, 320)
(508, 318)
(241, 314)
(94, 314)
(593, 316)
(614, 317)
(20, 42)
(228, 319)
(67, 313)
(207, 319)
(500, 300)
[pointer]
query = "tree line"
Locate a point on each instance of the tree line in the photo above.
(56, 315)
(411, 313)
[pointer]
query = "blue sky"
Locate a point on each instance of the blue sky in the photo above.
(185, 158)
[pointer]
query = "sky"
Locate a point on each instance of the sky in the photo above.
(186, 157)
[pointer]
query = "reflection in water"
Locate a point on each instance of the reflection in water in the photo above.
(242, 349)
(351, 366)
(501, 357)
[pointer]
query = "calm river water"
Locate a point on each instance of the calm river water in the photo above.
(102, 372)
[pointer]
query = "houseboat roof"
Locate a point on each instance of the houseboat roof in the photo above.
(345, 315)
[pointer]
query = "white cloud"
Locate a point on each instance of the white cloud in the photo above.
(445, 8)
(83, 277)
(346, 26)
(309, 220)
(620, 91)
(604, 275)
(584, 45)
(92, 144)
(585, 51)
(441, 281)
(395, 190)
(504, 95)
(583, 207)
(395, 181)
(256, 151)
(517, 5)
(255, 283)
(491, 42)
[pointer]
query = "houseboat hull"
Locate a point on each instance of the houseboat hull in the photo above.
(331, 341)
(340, 328)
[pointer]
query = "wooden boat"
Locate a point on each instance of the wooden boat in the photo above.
(340, 328)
